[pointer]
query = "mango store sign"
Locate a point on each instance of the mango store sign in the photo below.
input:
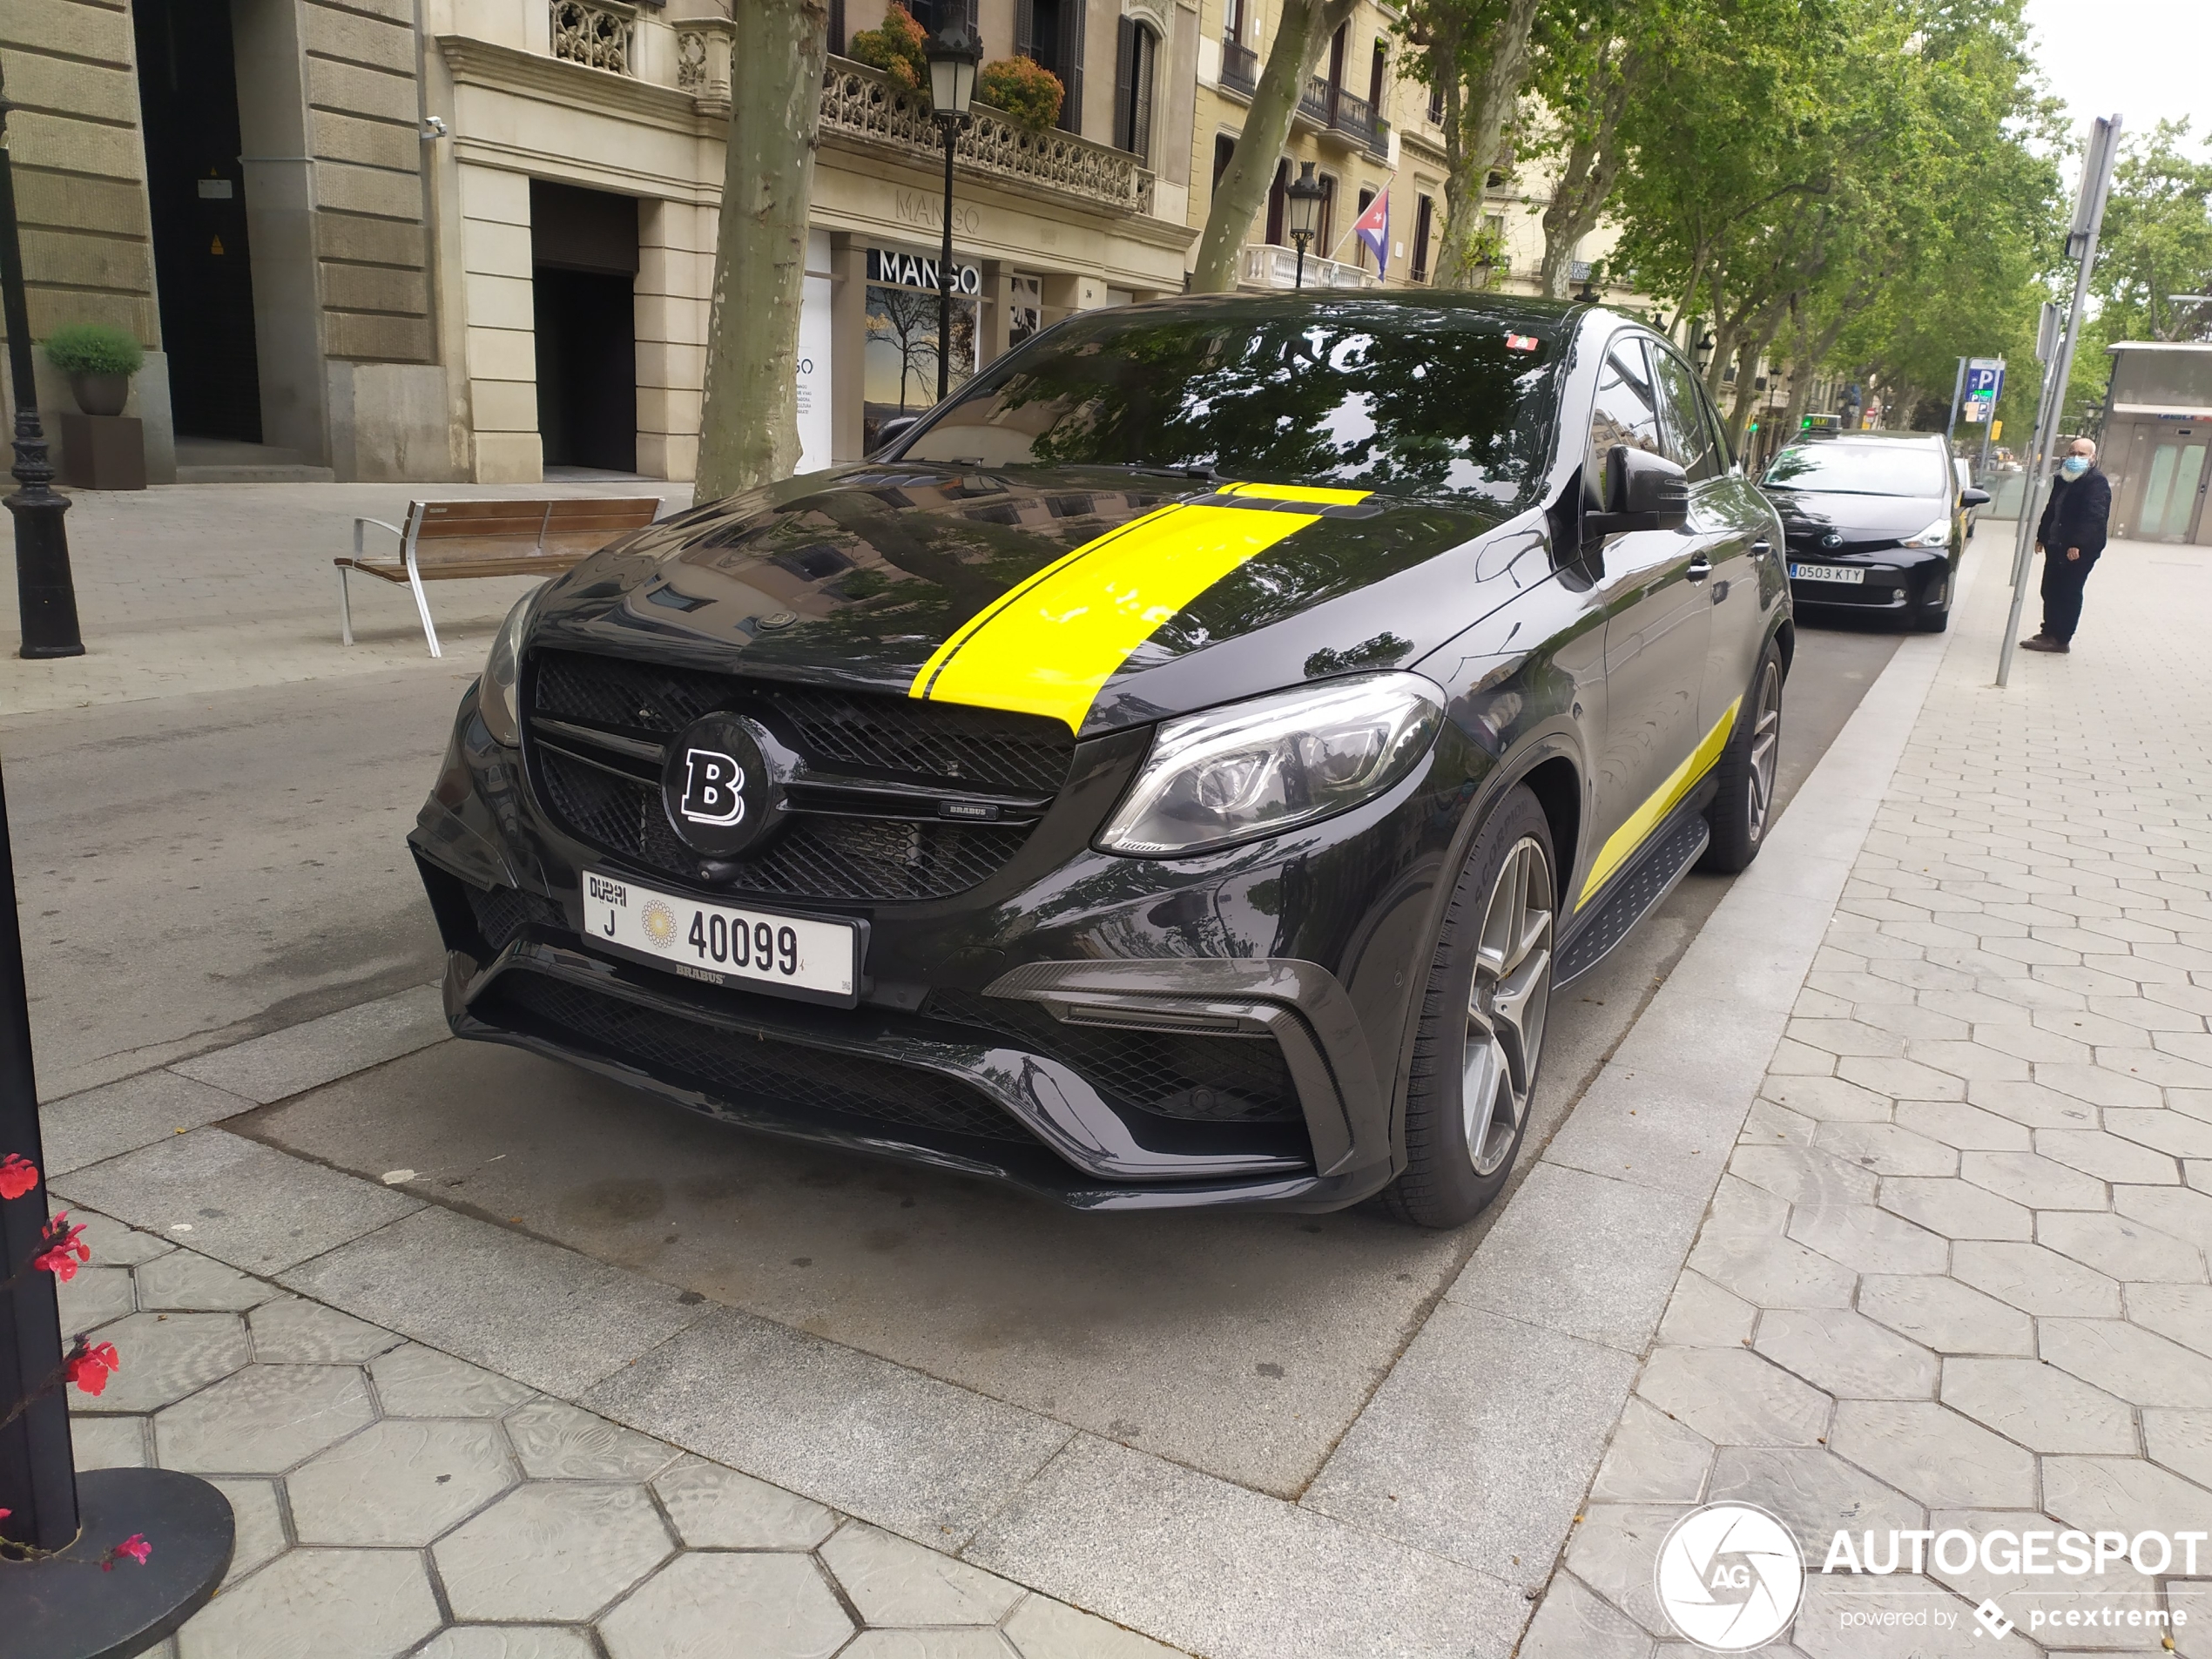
(897, 270)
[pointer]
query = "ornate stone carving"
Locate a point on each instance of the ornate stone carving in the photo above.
(859, 101)
(596, 36)
(691, 60)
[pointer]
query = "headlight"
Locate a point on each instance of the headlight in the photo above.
(495, 692)
(1936, 535)
(1271, 764)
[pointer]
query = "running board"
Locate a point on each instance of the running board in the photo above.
(1635, 895)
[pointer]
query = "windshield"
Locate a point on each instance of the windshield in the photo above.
(1860, 469)
(1391, 398)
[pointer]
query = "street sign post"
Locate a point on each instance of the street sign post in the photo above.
(1984, 385)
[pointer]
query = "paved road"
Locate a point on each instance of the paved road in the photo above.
(195, 869)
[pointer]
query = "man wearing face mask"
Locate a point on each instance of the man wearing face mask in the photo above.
(2070, 536)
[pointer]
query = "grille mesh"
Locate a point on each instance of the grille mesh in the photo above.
(820, 856)
(726, 1066)
(502, 912)
(1206, 1079)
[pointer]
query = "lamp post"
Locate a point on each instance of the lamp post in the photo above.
(1305, 196)
(46, 596)
(1702, 352)
(953, 52)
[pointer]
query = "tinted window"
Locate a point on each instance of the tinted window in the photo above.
(1689, 438)
(1625, 412)
(1383, 397)
(1861, 469)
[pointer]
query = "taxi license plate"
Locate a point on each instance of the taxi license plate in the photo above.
(804, 956)
(1849, 573)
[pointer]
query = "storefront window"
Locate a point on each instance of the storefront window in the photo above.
(1025, 308)
(900, 361)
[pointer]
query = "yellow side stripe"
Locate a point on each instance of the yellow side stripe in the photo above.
(1662, 800)
(1047, 644)
(1299, 492)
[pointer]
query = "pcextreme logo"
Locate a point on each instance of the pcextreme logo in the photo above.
(1731, 1577)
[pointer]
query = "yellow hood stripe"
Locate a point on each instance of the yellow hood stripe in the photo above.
(1661, 800)
(1047, 644)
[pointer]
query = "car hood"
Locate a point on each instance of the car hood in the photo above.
(1861, 520)
(1102, 596)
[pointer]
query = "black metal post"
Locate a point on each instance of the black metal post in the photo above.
(1299, 282)
(45, 593)
(948, 125)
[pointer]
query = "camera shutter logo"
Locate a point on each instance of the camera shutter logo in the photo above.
(1730, 1576)
(713, 787)
(659, 923)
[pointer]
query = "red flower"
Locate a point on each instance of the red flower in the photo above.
(18, 1176)
(89, 1365)
(63, 1249)
(135, 1547)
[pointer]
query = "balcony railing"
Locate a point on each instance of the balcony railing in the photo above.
(1328, 106)
(596, 36)
(1239, 68)
(1319, 98)
(1264, 266)
(859, 102)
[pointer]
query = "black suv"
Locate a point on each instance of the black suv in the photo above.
(1876, 523)
(1178, 771)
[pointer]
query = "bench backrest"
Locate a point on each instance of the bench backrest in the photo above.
(561, 531)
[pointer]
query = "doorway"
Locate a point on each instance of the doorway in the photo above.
(196, 198)
(584, 270)
(2174, 484)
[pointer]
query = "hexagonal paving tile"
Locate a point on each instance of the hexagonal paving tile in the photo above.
(1846, 1355)
(554, 1438)
(2034, 1279)
(1870, 1240)
(1956, 1209)
(509, 1642)
(259, 1536)
(2120, 1246)
(2182, 1440)
(2125, 1359)
(1700, 1314)
(717, 1509)
(107, 1442)
(186, 1279)
(2039, 1182)
(1933, 1455)
(1942, 1314)
(2040, 1407)
(1968, 1128)
(401, 1482)
(2180, 1213)
(95, 1296)
(264, 1420)
(114, 1244)
(2181, 1313)
(422, 1382)
(1771, 1271)
(709, 1605)
(554, 1549)
(295, 1332)
(1733, 1396)
(1812, 1489)
(2110, 1158)
(892, 1582)
(354, 1603)
(1652, 1459)
(165, 1357)
(971, 1642)
(1044, 1629)
(2123, 1494)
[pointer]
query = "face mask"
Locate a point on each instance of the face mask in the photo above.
(2074, 466)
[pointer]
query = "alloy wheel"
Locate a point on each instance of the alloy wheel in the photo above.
(1506, 1004)
(1766, 747)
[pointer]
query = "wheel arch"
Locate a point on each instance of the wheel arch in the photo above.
(1558, 790)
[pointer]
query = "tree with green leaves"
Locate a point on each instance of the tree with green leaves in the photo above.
(1591, 60)
(1475, 55)
(2157, 239)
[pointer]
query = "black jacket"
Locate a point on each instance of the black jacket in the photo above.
(2077, 513)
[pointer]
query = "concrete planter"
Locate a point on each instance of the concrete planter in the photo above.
(100, 394)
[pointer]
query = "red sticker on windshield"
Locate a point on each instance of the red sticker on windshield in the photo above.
(1521, 342)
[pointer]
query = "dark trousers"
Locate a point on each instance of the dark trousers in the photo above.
(2063, 579)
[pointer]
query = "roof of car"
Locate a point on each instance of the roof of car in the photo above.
(1512, 307)
(1869, 435)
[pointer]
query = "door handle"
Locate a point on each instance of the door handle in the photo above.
(1700, 568)
(1761, 548)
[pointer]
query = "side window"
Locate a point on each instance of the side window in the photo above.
(1624, 413)
(1690, 437)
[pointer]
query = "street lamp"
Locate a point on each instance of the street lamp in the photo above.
(954, 53)
(1704, 351)
(1305, 196)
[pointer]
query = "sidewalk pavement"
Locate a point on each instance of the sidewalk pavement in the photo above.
(213, 587)
(1955, 1275)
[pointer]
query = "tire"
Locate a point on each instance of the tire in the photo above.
(1744, 803)
(1481, 1038)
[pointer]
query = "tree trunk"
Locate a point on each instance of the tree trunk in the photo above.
(1492, 96)
(1585, 181)
(1757, 338)
(749, 416)
(1305, 28)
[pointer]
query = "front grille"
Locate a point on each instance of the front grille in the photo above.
(858, 737)
(738, 1069)
(502, 912)
(937, 742)
(1207, 1079)
(820, 856)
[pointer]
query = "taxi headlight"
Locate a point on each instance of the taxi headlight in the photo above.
(495, 691)
(1936, 535)
(1274, 763)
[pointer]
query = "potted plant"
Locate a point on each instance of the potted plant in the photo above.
(1025, 88)
(99, 360)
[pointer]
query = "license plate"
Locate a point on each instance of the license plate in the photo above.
(723, 944)
(1850, 573)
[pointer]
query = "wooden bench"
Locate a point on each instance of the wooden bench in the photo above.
(443, 540)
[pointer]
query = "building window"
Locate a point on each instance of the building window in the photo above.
(1325, 237)
(1424, 225)
(1224, 147)
(1024, 308)
(1134, 68)
(1359, 247)
(1436, 103)
(1378, 73)
(1277, 202)
(836, 27)
(1232, 22)
(1050, 32)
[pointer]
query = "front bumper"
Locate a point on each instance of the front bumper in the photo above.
(1111, 1033)
(1896, 579)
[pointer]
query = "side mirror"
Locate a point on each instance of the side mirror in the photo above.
(1643, 492)
(1974, 498)
(894, 429)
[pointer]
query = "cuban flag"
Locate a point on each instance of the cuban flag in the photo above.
(1372, 227)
